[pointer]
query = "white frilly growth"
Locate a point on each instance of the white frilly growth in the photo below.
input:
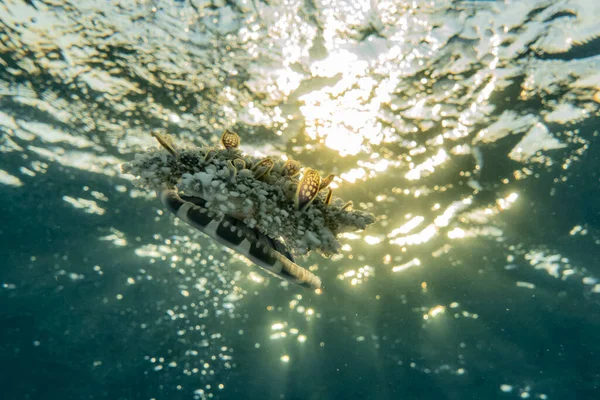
(266, 204)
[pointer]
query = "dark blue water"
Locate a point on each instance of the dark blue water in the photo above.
(73, 339)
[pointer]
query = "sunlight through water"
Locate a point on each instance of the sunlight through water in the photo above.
(457, 123)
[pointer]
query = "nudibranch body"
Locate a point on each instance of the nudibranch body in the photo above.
(260, 208)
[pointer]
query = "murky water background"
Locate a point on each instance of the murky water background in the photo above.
(469, 129)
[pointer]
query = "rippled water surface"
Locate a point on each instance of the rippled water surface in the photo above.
(469, 128)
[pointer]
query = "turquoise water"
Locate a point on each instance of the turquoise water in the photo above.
(468, 128)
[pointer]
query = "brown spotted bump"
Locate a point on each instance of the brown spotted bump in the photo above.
(307, 189)
(290, 168)
(230, 139)
(263, 167)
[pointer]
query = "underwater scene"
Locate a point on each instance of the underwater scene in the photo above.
(299, 199)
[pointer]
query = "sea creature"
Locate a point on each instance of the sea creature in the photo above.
(264, 209)
(269, 254)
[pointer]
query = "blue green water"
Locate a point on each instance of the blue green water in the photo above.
(470, 131)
